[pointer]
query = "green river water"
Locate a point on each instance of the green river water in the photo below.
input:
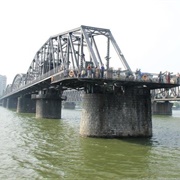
(33, 148)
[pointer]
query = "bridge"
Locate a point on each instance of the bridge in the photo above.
(116, 101)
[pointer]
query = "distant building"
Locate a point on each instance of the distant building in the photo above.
(3, 80)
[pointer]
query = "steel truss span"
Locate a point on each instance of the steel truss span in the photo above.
(72, 50)
(66, 56)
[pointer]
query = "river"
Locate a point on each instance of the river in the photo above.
(33, 148)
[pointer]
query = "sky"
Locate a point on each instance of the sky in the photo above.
(147, 31)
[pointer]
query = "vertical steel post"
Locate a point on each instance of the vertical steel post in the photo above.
(108, 52)
(81, 53)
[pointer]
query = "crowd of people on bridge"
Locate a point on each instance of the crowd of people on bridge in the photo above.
(100, 72)
(168, 77)
(90, 72)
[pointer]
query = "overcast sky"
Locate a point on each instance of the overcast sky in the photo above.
(147, 31)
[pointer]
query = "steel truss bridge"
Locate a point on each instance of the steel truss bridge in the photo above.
(60, 64)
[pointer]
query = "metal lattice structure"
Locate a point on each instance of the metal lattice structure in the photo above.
(72, 50)
(8, 88)
(172, 94)
(19, 81)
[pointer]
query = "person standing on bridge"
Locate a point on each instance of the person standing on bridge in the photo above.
(138, 74)
(168, 77)
(93, 71)
(118, 73)
(160, 76)
(89, 71)
(97, 74)
(178, 78)
(83, 73)
(102, 71)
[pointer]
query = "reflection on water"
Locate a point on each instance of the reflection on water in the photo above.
(46, 148)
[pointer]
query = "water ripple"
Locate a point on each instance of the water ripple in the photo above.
(52, 149)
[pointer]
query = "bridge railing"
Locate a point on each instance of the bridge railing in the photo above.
(121, 75)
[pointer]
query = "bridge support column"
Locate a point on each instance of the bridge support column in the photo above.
(162, 108)
(4, 103)
(11, 103)
(48, 106)
(26, 105)
(117, 115)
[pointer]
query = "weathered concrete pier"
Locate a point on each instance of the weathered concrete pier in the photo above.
(26, 105)
(117, 115)
(162, 108)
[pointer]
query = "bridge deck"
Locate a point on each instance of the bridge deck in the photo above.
(80, 82)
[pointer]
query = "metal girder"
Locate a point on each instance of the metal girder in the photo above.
(65, 50)
(121, 56)
(19, 80)
(97, 52)
(91, 52)
(73, 51)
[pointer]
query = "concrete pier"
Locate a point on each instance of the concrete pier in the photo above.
(48, 106)
(117, 115)
(162, 108)
(26, 105)
(12, 103)
(4, 102)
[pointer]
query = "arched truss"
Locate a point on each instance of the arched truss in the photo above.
(74, 49)
(8, 88)
(19, 80)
